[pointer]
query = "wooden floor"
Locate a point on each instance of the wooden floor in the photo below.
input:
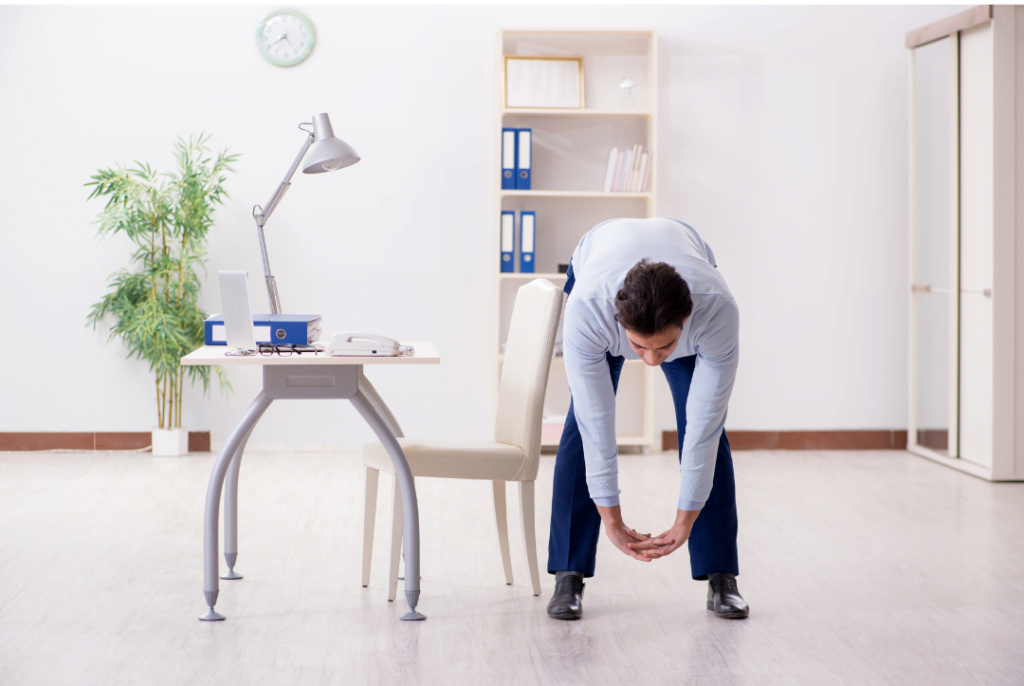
(860, 568)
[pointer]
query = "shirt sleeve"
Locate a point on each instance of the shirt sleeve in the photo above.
(585, 345)
(713, 377)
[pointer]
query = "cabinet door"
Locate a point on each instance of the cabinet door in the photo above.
(934, 247)
(977, 202)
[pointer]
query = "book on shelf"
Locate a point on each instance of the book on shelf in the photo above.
(508, 247)
(638, 171)
(633, 172)
(516, 159)
(627, 170)
(609, 174)
(627, 167)
(524, 153)
(620, 160)
(527, 235)
(508, 159)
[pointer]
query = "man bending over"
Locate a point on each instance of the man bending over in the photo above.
(647, 289)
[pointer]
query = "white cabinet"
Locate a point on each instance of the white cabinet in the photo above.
(967, 242)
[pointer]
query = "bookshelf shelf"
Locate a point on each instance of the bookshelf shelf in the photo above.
(561, 33)
(640, 441)
(571, 149)
(501, 358)
(531, 112)
(576, 194)
(529, 277)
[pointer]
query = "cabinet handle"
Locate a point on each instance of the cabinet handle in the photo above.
(926, 288)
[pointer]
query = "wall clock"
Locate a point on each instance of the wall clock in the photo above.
(285, 37)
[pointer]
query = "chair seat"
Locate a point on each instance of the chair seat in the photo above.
(451, 459)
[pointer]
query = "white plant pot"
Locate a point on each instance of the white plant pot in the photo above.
(170, 442)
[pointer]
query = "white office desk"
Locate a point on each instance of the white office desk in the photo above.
(307, 377)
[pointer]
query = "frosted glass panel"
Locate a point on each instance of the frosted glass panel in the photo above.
(977, 189)
(932, 162)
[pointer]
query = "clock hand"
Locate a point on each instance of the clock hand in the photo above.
(283, 36)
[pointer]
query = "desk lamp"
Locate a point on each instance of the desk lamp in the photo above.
(326, 154)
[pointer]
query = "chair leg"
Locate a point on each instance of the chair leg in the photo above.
(397, 525)
(501, 516)
(526, 500)
(369, 520)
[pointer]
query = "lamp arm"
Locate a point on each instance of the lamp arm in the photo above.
(263, 215)
(282, 187)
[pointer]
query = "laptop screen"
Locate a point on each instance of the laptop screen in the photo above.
(234, 299)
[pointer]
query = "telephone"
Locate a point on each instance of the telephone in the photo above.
(365, 345)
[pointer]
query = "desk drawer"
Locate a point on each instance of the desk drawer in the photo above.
(297, 382)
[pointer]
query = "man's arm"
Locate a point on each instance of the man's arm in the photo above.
(585, 345)
(713, 377)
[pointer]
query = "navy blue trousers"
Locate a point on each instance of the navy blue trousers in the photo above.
(576, 524)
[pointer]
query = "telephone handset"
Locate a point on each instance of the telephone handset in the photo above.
(365, 345)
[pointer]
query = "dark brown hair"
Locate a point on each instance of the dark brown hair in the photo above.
(653, 298)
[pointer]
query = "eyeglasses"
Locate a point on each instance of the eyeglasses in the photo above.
(286, 350)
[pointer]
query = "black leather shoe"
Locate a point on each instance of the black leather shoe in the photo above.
(724, 597)
(567, 602)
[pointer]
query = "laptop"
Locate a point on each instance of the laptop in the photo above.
(234, 300)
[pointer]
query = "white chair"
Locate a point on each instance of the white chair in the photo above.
(513, 455)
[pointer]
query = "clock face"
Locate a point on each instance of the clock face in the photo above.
(285, 37)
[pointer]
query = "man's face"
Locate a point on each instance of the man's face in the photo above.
(654, 349)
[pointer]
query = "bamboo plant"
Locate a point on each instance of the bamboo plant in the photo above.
(154, 304)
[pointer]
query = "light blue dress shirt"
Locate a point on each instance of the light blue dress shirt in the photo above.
(600, 263)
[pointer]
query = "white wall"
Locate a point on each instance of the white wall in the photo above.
(783, 137)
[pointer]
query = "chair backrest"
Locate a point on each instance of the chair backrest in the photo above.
(524, 373)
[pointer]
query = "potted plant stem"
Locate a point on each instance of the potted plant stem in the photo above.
(154, 305)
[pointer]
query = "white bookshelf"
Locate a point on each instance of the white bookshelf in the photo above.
(570, 154)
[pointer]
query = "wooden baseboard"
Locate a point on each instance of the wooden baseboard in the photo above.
(885, 439)
(198, 441)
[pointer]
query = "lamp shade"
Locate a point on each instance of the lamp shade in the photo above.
(327, 152)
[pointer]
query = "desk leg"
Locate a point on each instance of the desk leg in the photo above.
(367, 389)
(211, 585)
(411, 538)
(231, 510)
